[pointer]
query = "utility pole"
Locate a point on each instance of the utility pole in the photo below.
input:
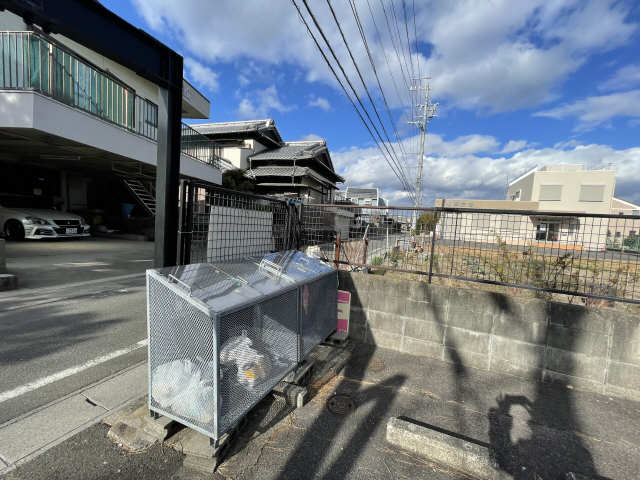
(424, 112)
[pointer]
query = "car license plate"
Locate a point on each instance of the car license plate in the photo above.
(71, 231)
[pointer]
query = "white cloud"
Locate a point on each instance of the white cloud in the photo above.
(311, 137)
(473, 175)
(593, 111)
(260, 104)
(320, 102)
(201, 75)
(514, 146)
(497, 55)
(623, 79)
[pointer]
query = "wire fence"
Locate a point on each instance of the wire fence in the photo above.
(593, 256)
(217, 224)
(590, 256)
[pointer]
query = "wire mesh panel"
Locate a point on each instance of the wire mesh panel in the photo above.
(182, 358)
(587, 255)
(318, 307)
(222, 225)
(258, 346)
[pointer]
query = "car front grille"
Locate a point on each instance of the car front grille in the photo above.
(67, 223)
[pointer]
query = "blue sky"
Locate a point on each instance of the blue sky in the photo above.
(520, 83)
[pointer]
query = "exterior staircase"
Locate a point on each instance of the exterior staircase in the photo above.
(141, 193)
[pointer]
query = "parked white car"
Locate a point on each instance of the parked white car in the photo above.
(20, 218)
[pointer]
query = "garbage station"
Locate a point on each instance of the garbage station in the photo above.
(223, 335)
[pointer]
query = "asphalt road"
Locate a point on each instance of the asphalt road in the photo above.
(77, 323)
(48, 263)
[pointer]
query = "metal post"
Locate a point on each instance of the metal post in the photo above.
(186, 222)
(433, 243)
(455, 235)
(364, 250)
(336, 261)
(168, 167)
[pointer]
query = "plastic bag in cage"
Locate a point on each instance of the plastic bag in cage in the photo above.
(185, 388)
(196, 401)
(252, 366)
(169, 379)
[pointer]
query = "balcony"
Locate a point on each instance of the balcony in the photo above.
(28, 61)
(198, 146)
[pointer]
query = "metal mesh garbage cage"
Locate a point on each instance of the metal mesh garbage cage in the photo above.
(221, 336)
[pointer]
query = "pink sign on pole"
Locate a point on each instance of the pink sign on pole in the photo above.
(344, 308)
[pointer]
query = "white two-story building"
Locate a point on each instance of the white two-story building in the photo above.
(79, 131)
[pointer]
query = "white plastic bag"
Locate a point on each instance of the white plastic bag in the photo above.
(196, 401)
(185, 388)
(169, 379)
(252, 366)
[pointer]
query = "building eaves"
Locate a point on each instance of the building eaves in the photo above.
(284, 171)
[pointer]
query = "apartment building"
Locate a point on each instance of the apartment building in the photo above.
(541, 194)
(300, 169)
(79, 131)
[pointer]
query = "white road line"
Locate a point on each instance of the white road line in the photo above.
(29, 387)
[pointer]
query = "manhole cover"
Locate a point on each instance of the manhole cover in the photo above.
(340, 404)
(376, 365)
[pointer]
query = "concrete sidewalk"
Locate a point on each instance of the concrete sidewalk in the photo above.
(29, 435)
(542, 429)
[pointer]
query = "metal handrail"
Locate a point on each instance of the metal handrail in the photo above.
(31, 61)
(199, 146)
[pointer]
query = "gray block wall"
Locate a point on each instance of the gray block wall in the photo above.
(592, 349)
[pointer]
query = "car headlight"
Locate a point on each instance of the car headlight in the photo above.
(35, 221)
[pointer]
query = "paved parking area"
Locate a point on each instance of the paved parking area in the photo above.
(53, 262)
(536, 430)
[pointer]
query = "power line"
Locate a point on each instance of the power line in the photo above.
(355, 94)
(337, 77)
(355, 64)
(415, 36)
(393, 42)
(400, 42)
(354, 10)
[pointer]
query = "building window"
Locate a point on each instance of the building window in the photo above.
(515, 197)
(618, 234)
(550, 193)
(547, 231)
(635, 212)
(591, 193)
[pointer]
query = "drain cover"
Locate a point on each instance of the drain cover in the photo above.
(340, 404)
(376, 365)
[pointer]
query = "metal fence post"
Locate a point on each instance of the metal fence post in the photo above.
(364, 250)
(186, 222)
(455, 236)
(433, 242)
(336, 261)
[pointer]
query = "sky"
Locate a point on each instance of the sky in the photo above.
(519, 84)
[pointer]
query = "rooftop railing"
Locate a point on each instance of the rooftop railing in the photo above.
(29, 61)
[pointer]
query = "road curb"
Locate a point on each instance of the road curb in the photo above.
(447, 449)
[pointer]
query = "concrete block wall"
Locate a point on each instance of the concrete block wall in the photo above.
(592, 349)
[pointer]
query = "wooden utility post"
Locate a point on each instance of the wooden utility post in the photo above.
(336, 261)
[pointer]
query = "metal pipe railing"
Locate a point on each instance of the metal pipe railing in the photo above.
(30, 61)
(199, 146)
